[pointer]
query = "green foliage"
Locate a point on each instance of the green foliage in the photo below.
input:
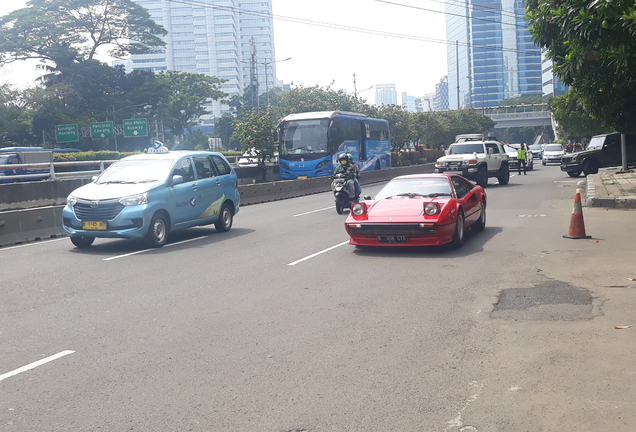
(573, 121)
(592, 45)
(306, 99)
(255, 131)
(183, 97)
(524, 100)
(224, 129)
(90, 156)
(71, 31)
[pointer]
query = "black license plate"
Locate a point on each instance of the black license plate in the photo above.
(392, 239)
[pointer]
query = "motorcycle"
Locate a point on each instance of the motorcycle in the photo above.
(340, 192)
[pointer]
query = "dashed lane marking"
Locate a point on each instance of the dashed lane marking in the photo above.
(318, 253)
(314, 211)
(35, 364)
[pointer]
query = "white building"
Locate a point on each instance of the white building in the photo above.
(385, 94)
(214, 39)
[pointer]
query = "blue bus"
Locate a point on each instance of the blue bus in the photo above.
(309, 143)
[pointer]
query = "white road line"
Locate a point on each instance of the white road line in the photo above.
(35, 364)
(148, 250)
(313, 211)
(318, 253)
(39, 242)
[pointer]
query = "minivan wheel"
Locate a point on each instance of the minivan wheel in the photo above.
(158, 232)
(225, 219)
(82, 242)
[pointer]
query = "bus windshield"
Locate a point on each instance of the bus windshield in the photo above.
(304, 136)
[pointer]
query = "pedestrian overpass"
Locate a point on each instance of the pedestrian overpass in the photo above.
(518, 115)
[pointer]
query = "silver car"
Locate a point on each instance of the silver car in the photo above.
(553, 153)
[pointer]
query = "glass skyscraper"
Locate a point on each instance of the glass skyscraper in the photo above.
(491, 55)
(214, 39)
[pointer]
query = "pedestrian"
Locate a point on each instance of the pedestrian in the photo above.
(521, 158)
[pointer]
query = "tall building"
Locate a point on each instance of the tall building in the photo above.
(408, 102)
(552, 86)
(214, 39)
(491, 55)
(440, 102)
(385, 94)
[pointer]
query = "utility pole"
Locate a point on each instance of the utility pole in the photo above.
(253, 73)
(457, 69)
(355, 88)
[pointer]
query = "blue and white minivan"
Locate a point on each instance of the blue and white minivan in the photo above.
(149, 195)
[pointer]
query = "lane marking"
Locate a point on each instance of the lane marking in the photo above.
(35, 364)
(314, 211)
(38, 242)
(151, 249)
(319, 253)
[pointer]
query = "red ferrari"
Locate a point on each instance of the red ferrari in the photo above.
(418, 210)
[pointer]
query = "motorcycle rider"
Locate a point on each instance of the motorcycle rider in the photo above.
(356, 182)
(346, 168)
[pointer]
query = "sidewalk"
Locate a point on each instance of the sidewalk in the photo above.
(610, 188)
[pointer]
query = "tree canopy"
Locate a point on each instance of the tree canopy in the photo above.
(71, 31)
(591, 43)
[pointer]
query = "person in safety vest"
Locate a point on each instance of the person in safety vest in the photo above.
(521, 158)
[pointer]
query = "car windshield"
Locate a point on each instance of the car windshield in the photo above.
(596, 142)
(416, 187)
(466, 148)
(136, 171)
(535, 147)
(553, 147)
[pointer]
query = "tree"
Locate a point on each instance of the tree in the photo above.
(573, 121)
(71, 31)
(592, 46)
(224, 129)
(255, 131)
(15, 120)
(306, 99)
(183, 98)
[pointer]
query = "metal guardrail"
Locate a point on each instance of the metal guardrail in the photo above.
(103, 164)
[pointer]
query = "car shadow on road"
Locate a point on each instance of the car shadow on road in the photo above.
(186, 238)
(473, 243)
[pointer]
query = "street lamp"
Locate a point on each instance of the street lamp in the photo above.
(483, 106)
(266, 79)
(358, 92)
(145, 104)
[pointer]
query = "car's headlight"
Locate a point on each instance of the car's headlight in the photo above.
(134, 200)
(359, 209)
(431, 209)
(71, 200)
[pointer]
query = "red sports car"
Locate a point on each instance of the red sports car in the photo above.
(418, 210)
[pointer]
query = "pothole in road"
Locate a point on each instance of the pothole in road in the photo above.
(548, 301)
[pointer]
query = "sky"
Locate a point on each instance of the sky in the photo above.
(399, 42)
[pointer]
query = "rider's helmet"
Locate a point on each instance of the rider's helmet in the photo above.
(343, 159)
(350, 156)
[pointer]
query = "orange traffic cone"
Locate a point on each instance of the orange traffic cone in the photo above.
(577, 226)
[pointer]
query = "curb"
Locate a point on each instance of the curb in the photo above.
(593, 200)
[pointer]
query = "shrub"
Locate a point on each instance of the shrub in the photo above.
(422, 161)
(406, 162)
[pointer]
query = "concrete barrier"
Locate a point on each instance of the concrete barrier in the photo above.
(23, 226)
(34, 210)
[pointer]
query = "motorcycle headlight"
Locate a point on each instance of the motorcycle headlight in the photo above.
(71, 200)
(135, 200)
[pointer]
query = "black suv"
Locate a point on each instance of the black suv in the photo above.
(602, 151)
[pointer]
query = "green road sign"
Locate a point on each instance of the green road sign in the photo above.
(102, 130)
(66, 133)
(135, 128)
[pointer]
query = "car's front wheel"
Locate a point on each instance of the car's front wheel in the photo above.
(504, 175)
(543, 162)
(590, 167)
(158, 232)
(458, 237)
(82, 242)
(574, 173)
(226, 218)
(482, 177)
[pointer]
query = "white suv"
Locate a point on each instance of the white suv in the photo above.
(476, 157)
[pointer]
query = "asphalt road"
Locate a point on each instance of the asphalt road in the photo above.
(279, 325)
